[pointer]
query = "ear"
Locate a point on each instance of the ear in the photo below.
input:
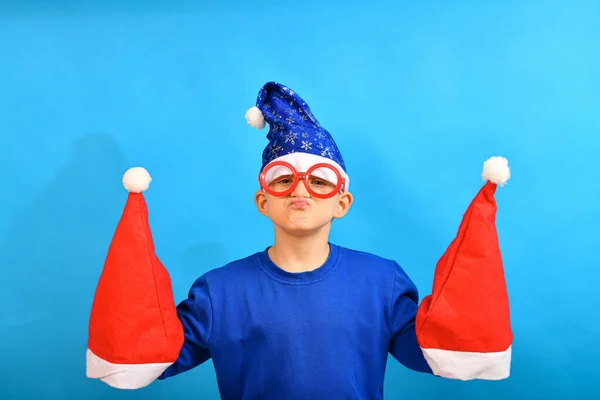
(345, 201)
(260, 198)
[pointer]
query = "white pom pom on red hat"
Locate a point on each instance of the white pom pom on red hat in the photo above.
(496, 170)
(136, 180)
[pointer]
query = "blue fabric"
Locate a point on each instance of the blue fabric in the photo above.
(324, 334)
(292, 126)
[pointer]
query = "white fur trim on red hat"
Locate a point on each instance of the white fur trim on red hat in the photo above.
(464, 365)
(123, 376)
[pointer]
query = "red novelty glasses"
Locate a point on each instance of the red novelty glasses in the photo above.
(280, 178)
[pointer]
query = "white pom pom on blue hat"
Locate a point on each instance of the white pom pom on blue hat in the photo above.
(255, 118)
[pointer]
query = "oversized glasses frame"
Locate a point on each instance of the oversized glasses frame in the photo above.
(301, 176)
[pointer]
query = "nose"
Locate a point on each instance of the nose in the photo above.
(300, 190)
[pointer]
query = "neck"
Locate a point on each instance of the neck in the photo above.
(294, 253)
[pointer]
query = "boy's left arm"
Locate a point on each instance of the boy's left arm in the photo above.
(404, 346)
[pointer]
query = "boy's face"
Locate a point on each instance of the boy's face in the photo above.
(301, 211)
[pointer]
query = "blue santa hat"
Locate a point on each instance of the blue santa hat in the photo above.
(295, 135)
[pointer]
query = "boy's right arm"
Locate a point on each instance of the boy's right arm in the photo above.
(195, 315)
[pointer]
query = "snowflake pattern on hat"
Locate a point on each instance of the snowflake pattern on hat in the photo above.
(292, 126)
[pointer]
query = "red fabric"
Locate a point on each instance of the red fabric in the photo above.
(468, 308)
(133, 318)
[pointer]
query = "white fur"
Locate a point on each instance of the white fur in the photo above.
(255, 118)
(136, 180)
(496, 170)
(466, 366)
(123, 376)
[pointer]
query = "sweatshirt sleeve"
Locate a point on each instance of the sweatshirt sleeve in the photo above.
(404, 346)
(195, 314)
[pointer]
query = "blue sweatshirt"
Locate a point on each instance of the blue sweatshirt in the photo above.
(323, 334)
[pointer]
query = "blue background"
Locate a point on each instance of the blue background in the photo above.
(417, 95)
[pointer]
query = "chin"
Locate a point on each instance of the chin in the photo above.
(300, 232)
(302, 226)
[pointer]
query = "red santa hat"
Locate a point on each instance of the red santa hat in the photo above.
(134, 332)
(464, 327)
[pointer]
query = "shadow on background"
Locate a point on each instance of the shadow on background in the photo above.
(51, 263)
(53, 258)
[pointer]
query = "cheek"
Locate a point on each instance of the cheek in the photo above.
(329, 206)
(324, 211)
(275, 207)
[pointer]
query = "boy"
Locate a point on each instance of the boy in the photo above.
(305, 318)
